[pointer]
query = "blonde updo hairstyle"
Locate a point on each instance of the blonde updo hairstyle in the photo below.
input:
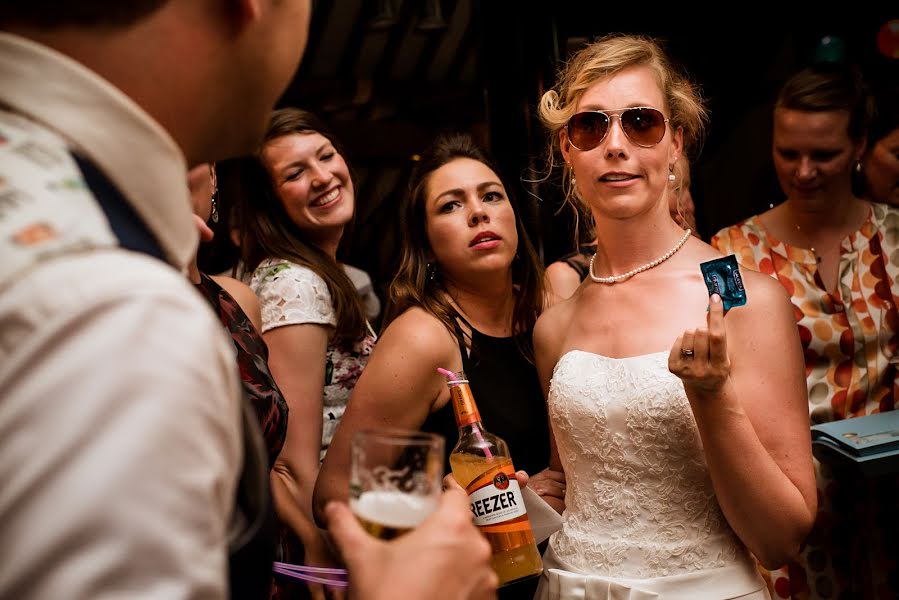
(607, 57)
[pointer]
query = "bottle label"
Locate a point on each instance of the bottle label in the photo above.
(495, 498)
(463, 404)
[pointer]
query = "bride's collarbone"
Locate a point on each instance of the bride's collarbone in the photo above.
(636, 328)
(644, 307)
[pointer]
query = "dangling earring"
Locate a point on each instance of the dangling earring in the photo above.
(671, 175)
(215, 212)
(858, 166)
(573, 178)
(432, 271)
(215, 192)
(571, 194)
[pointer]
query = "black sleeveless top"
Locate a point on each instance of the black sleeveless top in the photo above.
(507, 391)
(508, 394)
(579, 260)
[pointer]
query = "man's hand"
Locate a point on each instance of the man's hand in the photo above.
(444, 557)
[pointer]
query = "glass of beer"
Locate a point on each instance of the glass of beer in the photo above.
(396, 479)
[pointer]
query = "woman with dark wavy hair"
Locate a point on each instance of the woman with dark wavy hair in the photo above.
(467, 295)
(312, 319)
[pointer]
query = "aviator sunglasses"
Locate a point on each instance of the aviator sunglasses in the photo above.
(642, 125)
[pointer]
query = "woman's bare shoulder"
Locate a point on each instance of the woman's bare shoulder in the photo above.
(551, 325)
(417, 329)
(561, 280)
(244, 296)
(767, 309)
(764, 290)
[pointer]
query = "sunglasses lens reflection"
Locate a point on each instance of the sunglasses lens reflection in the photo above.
(643, 126)
(588, 129)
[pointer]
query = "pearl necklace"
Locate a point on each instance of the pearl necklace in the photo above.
(646, 267)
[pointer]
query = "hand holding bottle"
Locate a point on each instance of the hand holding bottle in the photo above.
(546, 484)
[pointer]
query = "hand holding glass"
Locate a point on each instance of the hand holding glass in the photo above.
(395, 479)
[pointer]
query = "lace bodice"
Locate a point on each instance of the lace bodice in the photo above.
(640, 501)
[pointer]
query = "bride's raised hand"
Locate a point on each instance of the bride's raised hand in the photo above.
(700, 357)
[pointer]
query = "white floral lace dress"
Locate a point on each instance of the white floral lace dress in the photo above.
(641, 518)
(290, 294)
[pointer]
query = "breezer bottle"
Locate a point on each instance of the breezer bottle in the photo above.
(482, 465)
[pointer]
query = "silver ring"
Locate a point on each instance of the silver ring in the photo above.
(686, 352)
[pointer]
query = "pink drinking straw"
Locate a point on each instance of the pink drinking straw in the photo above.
(451, 378)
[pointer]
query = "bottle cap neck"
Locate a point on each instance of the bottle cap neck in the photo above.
(463, 403)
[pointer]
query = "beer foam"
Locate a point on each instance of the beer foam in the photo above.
(393, 509)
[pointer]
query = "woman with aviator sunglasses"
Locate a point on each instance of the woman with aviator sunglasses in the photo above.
(660, 406)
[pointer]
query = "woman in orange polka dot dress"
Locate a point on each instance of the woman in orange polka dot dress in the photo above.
(838, 257)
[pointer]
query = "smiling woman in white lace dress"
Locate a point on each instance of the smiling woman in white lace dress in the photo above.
(663, 409)
(312, 319)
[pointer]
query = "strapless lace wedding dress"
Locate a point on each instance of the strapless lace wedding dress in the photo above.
(641, 518)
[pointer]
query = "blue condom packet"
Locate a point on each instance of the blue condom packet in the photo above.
(722, 277)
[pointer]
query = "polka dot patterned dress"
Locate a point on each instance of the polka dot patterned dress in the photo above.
(850, 339)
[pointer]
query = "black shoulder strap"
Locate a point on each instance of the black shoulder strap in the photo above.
(579, 260)
(127, 226)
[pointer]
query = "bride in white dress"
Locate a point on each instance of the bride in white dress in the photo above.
(683, 433)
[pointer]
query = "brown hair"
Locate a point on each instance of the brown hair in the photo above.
(266, 230)
(418, 284)
(826, 87)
